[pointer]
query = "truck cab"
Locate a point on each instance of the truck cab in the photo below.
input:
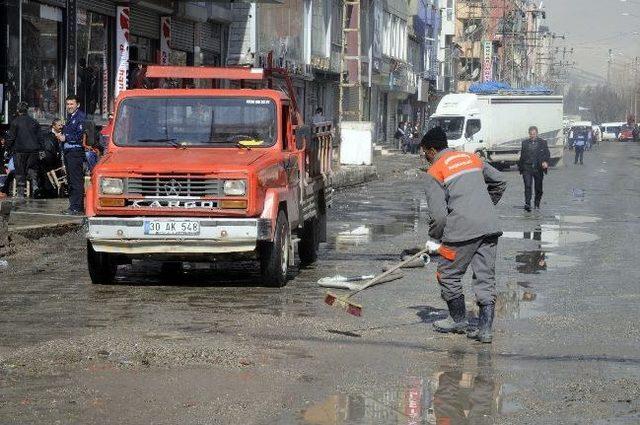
(459, 116)
(209, 174)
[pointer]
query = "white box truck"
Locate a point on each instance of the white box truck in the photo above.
(494, 125)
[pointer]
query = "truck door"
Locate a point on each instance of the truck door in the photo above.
(474, 135)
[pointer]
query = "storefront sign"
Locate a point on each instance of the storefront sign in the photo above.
(122, 38)
(378, 27)
(165, 40)
(487, 61)
(105, 78)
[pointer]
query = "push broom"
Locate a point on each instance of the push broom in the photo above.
(345, 303)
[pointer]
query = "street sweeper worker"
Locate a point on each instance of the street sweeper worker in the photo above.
(461, 193)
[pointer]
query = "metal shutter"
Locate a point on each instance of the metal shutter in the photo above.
(56, 3)
(182, 35)
(104, 7)
(145, 23)
(211, 38)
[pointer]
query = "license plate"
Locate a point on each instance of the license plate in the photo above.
(158, 227)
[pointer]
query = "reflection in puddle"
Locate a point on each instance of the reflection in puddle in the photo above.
(509, 303)
(368, 233)
(577, 219)
(553, 236)
(538, 260)
(449, 397)
(358, 230)
(531, 262)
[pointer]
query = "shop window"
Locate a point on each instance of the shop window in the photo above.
(280, 29)
(93, 59)
(141, 54)
(41, 60)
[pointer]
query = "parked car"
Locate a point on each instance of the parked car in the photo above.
(627, 133)
(611, 130)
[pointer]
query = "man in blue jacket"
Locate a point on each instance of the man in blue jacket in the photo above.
(74, 155)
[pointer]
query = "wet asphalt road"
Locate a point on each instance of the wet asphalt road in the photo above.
(208, 346)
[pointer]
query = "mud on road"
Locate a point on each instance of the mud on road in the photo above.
(209, 345)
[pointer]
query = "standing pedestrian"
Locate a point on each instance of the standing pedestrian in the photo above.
(319, 117)
(6, 166)
(25, 141)
(533, 163)
(461, 193)
(580, 137)
(74, 156)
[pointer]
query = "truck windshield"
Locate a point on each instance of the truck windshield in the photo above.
(193, 121)
(451, 125)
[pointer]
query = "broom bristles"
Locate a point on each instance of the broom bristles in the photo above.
(343, 304)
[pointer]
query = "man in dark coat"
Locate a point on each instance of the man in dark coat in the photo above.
(534, 162)
(25, 140)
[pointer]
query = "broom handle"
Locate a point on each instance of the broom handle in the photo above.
(388, 272)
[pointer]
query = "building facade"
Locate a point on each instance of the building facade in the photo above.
(53, 48)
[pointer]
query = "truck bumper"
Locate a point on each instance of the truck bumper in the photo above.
(127, 236)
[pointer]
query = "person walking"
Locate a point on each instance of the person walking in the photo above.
(461, 193)
(25, 141)
(533, 163)
(74, 156)
(580, 137)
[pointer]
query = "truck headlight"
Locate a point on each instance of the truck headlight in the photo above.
(235, 187)
(109, 186)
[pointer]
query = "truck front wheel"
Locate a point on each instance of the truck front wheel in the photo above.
(274, 256)
(102, 268)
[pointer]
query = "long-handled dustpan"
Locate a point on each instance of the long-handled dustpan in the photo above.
(354, 309)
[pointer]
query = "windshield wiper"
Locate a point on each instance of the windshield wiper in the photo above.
(170, 141)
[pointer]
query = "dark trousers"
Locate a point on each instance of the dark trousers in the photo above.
(27, 164)
(533, 177)
(6, 187)
(579, 154)
(74, 163)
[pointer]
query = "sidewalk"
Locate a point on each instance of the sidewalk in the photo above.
(41, 217)
(383, 166)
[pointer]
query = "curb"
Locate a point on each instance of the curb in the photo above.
(353, 175)
(37, 231)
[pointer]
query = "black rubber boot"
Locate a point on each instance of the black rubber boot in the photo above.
(457, 320)
(484, 331)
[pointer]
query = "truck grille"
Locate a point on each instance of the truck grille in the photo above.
(174, 186)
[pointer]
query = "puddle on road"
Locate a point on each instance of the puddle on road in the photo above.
(361, 227)
(447, 397)
(577, 219)
(346, 239)
(513, 302)
(553, 236)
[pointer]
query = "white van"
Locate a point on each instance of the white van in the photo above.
(611, 130)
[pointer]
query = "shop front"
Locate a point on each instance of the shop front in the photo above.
(45, 56)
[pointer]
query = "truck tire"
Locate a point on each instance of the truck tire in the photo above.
(309, 241)
(102, 267)
(274, 256)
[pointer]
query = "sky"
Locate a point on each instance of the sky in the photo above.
(592, 27)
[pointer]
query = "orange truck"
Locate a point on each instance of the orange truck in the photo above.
(203, 175)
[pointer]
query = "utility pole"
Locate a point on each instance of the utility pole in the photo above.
(609, 61)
